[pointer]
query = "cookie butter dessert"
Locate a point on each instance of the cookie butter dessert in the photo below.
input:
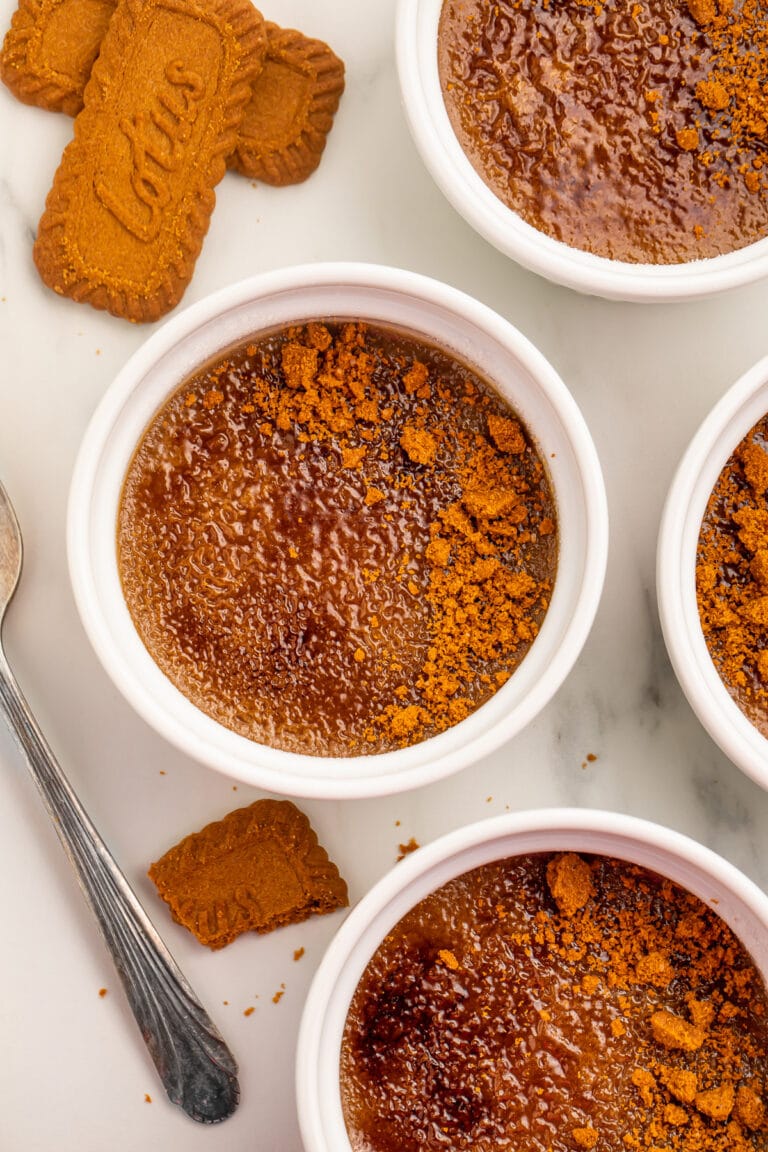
(637, 132)
(337, 539)
(732, 575)
(557, 1003)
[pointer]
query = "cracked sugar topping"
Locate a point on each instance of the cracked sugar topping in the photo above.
(557, 1003)
(732, 575)
(337, 540)
(637, 132)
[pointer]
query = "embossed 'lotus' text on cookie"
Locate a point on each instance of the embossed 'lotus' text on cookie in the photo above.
(52, 44)
(132, 198)
(156, 148)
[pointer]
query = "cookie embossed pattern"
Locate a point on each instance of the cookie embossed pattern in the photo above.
(133, 195)
(156, 147)
(293, 102)
(51, 47)
(257, 869)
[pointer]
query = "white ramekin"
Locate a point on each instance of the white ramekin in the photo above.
(442, 315)
(736, 899)
(417, 23)
(745, 403)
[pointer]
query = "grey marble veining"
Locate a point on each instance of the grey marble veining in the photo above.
(644, 376)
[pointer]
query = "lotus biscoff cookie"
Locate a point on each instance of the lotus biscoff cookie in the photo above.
(258, 868)
(51, 46)
(49, 50)
(291, 110)
(132, 198)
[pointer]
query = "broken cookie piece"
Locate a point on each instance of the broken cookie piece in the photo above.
(255, 870)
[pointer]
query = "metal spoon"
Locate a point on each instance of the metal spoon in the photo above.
(197, 1069)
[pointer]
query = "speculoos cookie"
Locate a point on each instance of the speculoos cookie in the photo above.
(132, 198)
(257, 869)
(291, 110)
(51, 47)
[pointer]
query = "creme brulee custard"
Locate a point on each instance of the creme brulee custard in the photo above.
(560, 1003)
(337, 539)
(732, 575)
(635, 131)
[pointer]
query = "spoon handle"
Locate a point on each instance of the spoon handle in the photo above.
(197, 1069)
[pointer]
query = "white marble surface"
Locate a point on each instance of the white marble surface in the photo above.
(73, 1071)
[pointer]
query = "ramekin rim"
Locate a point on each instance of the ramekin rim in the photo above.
(568, 821)
(561, 263)
(273, 774)
(710, 446)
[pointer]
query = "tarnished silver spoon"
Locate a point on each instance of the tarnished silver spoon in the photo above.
(197, 1069)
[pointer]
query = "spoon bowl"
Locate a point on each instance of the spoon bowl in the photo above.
(11, 552)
